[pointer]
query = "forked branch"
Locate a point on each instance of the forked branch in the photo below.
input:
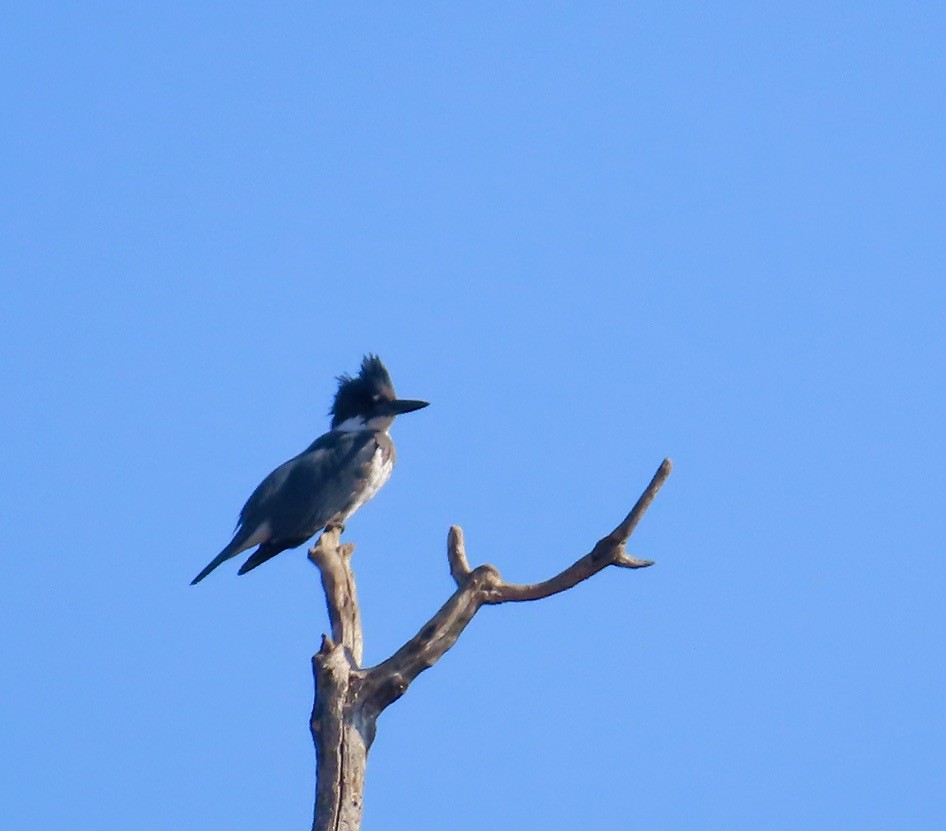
(349, 699)
(484, 585)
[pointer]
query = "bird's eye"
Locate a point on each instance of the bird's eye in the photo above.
(376, 398)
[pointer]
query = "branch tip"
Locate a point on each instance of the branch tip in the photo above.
(456, 555)
(621, 534)
(632, 562)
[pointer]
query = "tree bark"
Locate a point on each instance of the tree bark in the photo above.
(349, 698)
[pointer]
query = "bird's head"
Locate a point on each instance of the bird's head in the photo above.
(367, 401)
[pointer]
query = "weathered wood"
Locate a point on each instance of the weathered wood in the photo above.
(340, 735)
(341, 747)
(349, 699)
(333, 561)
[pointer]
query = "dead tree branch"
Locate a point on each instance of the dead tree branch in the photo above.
(349, 699)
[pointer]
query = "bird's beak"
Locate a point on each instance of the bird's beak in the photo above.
(406, 405)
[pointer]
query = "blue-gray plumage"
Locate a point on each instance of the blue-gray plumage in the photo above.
(331, 479)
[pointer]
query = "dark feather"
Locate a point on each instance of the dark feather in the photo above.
(356, 394)
(301, 496)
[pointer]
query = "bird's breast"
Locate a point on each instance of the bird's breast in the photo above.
(376, 472)
(379, 469)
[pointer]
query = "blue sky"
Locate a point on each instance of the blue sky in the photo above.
(592, 235)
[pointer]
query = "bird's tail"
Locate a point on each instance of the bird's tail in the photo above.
(265, 552)
(233, 548)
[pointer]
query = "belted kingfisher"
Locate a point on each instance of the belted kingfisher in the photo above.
(331, 479)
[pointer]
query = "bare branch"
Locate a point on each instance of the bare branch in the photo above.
(341, 738)
(609, 550)
(333, 561)
(350, 699)
(387, 681)
(341, 741)
(456, 555)
(626, 528)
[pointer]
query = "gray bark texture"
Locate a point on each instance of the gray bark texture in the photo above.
(349, 698)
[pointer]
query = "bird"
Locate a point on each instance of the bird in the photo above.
(331, 479)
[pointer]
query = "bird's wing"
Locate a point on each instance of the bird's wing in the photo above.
(299, 497)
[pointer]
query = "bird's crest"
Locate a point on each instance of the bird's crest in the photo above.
(357, 393)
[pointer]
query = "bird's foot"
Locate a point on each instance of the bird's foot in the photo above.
(335, 526)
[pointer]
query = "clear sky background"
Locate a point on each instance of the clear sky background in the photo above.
(592, 235)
